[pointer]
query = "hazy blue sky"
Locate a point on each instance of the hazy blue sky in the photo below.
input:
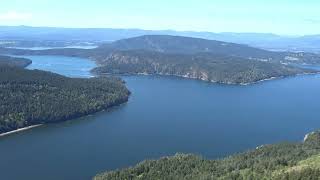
(291, 17)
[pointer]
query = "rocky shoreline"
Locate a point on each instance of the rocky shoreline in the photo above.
(205, 80)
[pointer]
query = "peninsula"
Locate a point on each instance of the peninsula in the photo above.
(32, 97)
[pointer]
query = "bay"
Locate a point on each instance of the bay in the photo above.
(163, 116)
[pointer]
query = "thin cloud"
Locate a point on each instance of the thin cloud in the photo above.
(315, 21)
(15, 16)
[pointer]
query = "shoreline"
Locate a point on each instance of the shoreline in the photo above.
(38, 125)
(279, 77)
(19, 130)
(203, 80)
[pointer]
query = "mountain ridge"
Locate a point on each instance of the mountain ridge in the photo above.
(267, 41)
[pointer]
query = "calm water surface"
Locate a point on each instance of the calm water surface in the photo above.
(164, 115)
(68, 66)
(45, 48)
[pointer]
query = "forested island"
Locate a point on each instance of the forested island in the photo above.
(285, 161)
(31, 97)
(208, 60)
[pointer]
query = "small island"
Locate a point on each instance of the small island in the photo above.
(33, 97)
(294, 161)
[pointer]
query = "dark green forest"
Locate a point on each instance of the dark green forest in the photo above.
(30, 97)
(203, 66)
(285, 161)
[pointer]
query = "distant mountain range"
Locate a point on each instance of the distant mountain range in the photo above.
(50, 36)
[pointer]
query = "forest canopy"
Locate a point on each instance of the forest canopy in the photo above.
(285, 161)
(30, 97)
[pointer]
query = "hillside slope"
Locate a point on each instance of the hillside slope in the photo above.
(14, 62)
(202, 66)
(187, 45)
(285, 161)
(208, 60)
(30, 97)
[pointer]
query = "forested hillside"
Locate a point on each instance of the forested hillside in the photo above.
(187, 45)
(285, 161)
(208, 60)
(203, 66)
(30, 97)
(14, 62)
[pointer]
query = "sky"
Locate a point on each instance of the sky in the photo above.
(284, 17)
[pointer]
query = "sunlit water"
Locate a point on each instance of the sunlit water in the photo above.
(46, 48)
(164, 115)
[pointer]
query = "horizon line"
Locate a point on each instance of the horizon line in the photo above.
(172, 30)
